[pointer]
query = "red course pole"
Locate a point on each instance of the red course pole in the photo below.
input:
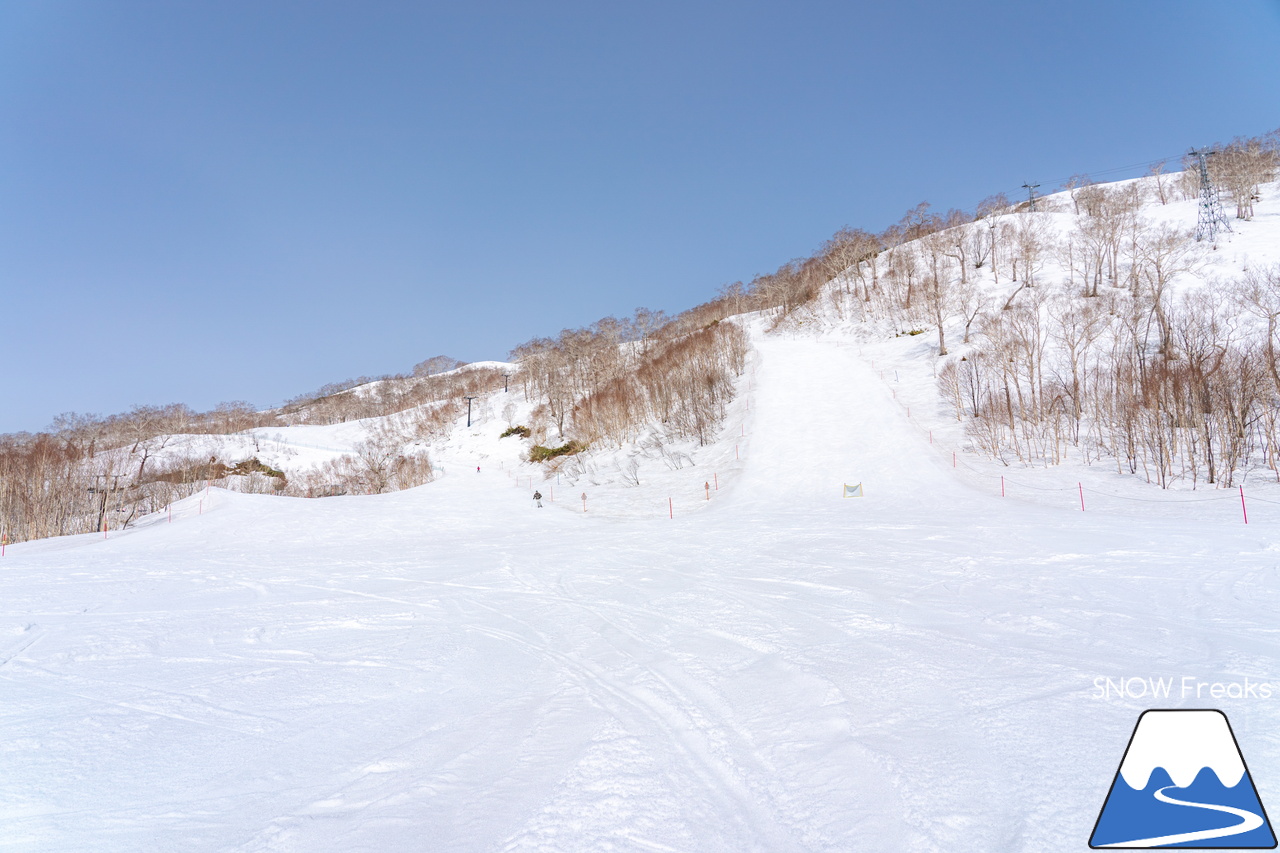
(1244, 508)
(671, 512)
(717, 479)
(1002, 485)
(1081, 487)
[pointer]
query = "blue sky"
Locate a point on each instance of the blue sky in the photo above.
(208, 201)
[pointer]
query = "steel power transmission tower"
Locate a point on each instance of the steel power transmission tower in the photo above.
(1212, 220)
(1031, 194)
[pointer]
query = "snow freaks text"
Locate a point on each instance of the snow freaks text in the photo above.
(1179, 687)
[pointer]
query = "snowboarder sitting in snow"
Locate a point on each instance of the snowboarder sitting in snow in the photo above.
(537, 498)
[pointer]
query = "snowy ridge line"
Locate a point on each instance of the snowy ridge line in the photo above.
(1172, 158)
(1013, 192)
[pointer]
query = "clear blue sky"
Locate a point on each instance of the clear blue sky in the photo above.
(207, 201)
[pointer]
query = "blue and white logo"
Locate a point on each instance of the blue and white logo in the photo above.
(1183, 783)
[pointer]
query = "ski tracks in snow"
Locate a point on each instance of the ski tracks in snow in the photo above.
(446, 668)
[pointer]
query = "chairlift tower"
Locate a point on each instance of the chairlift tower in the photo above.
(1212, 220)
(1031, 195)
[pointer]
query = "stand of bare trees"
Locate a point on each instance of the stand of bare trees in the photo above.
(380, 464)
(1112, 367)
(376, 398)
(1187, 394)
(605, 382)
(92, 472)
(1243, 166)
(685, 384)
(44, 488)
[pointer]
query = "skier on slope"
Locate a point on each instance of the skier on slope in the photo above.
(537, 498)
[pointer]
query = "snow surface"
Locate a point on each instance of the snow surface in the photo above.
(775, 669)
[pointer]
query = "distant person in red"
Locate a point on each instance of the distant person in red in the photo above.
(477, 469)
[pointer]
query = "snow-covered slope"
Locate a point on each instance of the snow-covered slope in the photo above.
(775, 669)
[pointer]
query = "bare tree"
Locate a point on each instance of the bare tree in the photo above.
(1161, 254)
(937, 284)
(1259, 294)
(845, 255)
(991, 211)
(1161, 181)
(970, 301)
(978, 244)
(1079, 187)
(956, 247)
